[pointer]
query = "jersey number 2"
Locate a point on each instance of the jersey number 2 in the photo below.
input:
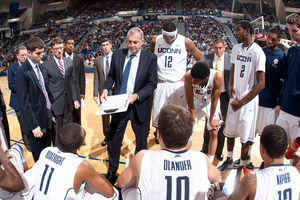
(48, 180)
(178, 187)
(242, 71)
(168, 61)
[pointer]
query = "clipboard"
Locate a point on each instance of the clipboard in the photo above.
(114, 104)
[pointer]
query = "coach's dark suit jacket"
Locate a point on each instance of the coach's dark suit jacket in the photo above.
(60, 86)
(145, 84)
(80, 84)
(33, 105)
(12, 70)
(224, 100)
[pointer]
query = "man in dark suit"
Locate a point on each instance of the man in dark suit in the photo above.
(219, 60)
(134, 72)
(79, 74)
(34, 98)
(14, 104)
(59, 74)
(101, 69)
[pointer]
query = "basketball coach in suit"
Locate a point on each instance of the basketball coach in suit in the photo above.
(219, 60)
(101, 69)
(79, 74)
(60, 76)
(134, 72)
(34, 98)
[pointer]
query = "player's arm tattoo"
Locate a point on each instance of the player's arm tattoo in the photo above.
(246, 186)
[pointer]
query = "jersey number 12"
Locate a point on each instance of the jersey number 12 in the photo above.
(168, 61)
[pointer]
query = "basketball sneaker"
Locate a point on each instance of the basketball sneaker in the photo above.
(226, 164)
(238, 161)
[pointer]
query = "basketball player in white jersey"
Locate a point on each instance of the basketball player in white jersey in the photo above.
(247, 79)
(205, 85)
(173, 172)
(276, 180)
(61, 174)
(171, 51)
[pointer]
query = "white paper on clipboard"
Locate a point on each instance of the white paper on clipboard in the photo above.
(114, 104)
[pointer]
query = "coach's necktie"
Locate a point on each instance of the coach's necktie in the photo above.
(126, 75)
(43, 86)
(61, 67)
(106, 67)
(218, 66)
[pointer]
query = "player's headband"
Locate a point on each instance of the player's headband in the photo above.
(170, 34)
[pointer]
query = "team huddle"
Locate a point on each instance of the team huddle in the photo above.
(239, 94)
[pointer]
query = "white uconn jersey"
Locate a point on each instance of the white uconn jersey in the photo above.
(247, 61)
(171, 59)
(55, 175)
(168, 175)
(204, 94)
(277, 182)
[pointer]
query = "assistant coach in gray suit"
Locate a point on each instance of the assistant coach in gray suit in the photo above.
(79, 74)
(101, 69)
(60, 76)
(219, 60)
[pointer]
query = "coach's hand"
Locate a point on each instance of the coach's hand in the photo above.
(103, 96)
(132, 98)
(277, 110)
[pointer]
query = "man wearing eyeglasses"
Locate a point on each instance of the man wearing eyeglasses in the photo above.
(171, 51)
(59, 74)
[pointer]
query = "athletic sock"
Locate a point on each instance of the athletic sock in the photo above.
(243, 162)
(249, 150)
(229, 154)
(211, 158)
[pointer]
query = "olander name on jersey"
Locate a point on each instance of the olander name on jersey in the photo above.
(177, 166)
(54, 158)
(243, 58)
(283, 178)
(168, 50)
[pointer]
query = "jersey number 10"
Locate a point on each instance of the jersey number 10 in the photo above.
(186, 187)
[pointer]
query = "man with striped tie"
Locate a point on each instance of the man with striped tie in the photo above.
(134, 72)
(34, 98)
(59, 74)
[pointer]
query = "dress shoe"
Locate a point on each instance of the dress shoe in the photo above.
(219, 156)
(104, 143)
(109, 176)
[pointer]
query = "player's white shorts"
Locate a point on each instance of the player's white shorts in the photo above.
(167, 93)
(203, 109)
(3, 139)
(241, 123)
(97, 196)
(290, 124)
(265, 116)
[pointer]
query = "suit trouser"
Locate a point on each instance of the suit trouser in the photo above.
(63, 119)
(116, 133)
(38, 144)
(76, 115)
(24, 137)
(221, 138)
(106, 125)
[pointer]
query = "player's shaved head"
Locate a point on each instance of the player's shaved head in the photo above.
(169, 26)
(175, 125)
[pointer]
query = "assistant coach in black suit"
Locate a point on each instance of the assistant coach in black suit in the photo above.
(219, 60)
(141, 83)
(60, 76)
(79, 74)
(34, 98)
